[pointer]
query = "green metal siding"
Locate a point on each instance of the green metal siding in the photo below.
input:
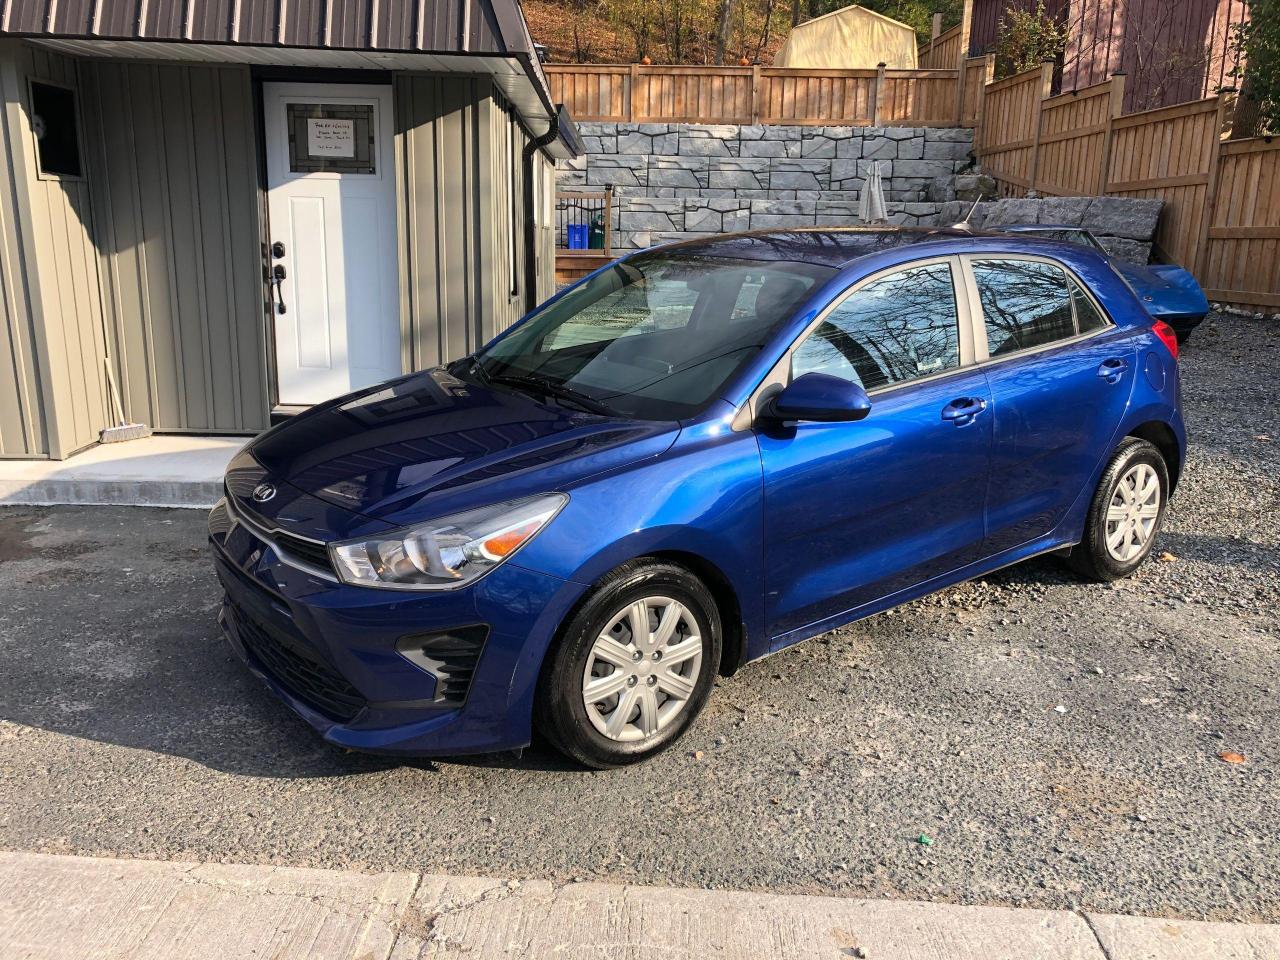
(173, 165)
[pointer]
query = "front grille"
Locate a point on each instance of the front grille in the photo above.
(311, 681)
(451, 657)
(288, 545)
(308, 551)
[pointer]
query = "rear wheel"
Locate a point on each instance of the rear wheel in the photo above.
(1126, 513)
(632, 668)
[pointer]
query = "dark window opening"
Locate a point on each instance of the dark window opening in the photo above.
(53, 119)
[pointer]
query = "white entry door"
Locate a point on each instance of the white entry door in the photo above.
(331, 199)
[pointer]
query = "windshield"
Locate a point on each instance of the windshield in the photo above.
(653, 338)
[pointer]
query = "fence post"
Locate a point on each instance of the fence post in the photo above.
(966, 32)
(608, 220)
(1115, 109)
(988, 68)
(1226, 106)
(757, 92)
(631, 97)
(962, 54)
(1044, 90)
(876, 109)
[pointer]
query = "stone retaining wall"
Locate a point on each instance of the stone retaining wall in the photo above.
(674, 181)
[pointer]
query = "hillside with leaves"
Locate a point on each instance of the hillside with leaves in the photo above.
(695, 31)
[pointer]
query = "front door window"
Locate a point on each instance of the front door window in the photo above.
(898, 328)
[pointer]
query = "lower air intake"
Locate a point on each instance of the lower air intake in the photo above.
(450, 656)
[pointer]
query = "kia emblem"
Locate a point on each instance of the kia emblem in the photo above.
(263, 492)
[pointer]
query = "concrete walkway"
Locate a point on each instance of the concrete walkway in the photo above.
(80, 908)
(165, 471)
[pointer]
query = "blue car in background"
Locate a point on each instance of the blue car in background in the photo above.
(695, 457)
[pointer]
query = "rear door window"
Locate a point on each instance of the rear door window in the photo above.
(1088, 316)
(1025, 304)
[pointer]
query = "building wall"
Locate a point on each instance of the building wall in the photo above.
(154, 256)
(174, 172)
(1170, 52)
(462, 272)
(53, 397)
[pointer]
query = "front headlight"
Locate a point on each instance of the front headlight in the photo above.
(447, 553)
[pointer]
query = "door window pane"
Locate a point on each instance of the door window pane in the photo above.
(897, 328)
(331, 138)
(1025, 304)
(1088, 317)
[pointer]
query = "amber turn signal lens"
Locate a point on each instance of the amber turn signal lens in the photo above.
(502, 544)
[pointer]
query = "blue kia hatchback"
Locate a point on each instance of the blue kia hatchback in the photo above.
(695, 457)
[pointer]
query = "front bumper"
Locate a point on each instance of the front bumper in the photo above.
(328, 649)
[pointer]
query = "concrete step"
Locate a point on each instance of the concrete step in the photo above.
(157, 471)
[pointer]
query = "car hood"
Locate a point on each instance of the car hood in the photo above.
(430, 444)
(1165, 289)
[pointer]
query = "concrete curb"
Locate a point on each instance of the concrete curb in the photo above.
(56, 907)
(160, 471)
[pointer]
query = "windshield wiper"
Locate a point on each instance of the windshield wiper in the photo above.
(552, 389)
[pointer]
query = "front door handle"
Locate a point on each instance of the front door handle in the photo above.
(278, 274)
(963, 410)
(1111, 370)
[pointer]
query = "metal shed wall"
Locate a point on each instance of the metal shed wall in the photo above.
(174, 169)
(462, 269)
(53, 311)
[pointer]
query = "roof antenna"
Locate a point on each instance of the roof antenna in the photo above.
(965, 224)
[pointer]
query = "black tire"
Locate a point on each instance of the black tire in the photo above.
(560, 712)
(1091, 558)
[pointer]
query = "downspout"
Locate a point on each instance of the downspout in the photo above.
(530, 228)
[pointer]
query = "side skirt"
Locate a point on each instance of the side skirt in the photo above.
(1049, 544)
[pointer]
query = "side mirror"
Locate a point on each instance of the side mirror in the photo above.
(820, 398)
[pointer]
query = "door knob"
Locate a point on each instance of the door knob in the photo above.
(277, 250)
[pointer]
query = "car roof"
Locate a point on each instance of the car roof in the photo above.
(1029, 227)
(834, 247)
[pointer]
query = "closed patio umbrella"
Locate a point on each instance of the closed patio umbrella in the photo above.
(871, 208)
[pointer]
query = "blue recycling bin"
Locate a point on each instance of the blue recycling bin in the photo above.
(578, 236)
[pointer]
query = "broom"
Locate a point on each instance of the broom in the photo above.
(123, 430)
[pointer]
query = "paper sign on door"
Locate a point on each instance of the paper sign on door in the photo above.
(331, 138)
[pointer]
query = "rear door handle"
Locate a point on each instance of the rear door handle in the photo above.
(1113, 369)
(963, 410)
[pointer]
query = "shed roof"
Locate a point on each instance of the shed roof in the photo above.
(386, 34)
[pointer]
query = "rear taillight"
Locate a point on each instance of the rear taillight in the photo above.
(1167, 336)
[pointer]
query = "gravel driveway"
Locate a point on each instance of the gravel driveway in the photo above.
(1057, 741)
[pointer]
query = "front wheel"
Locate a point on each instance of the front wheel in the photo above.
(1126, 513)
(632, 668)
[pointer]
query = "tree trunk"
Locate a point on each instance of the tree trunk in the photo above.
(795, 12)
(722, 28)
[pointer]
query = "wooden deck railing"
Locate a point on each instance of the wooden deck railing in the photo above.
(771, 95)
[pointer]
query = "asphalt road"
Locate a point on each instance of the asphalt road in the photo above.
(129, 730)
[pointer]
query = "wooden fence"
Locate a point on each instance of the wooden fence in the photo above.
(1221, 216)
(943, 52)
(774, 95)
(1222, 198)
